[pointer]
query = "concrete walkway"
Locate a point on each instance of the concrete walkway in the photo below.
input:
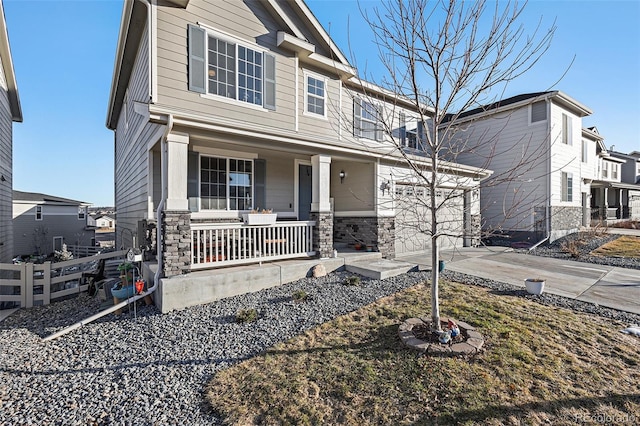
(617, 288)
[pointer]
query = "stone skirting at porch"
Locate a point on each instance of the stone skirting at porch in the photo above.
(323, 233)
(176, 229)
(375, 231)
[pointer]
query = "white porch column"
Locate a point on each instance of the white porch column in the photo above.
(321, 183)
(619, 206)
(177, 152)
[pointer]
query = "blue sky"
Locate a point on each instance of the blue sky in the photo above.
(63, 54)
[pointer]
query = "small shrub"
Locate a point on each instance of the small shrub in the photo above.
(572, 248)
(246, 315)
(300, 296)
(352, 280)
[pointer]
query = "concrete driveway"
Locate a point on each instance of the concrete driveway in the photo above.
(617, 288)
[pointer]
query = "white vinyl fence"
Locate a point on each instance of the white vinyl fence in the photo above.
(30, 284)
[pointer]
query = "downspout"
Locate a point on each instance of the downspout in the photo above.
(156, 278)
(547, 219)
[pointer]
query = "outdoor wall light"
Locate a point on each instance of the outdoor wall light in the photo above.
(342, 174)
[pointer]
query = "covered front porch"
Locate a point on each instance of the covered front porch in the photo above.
(613, 202)
(215, 187)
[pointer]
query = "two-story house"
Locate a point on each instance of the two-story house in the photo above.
(221, 108)
(542, 164)
(10, 112)
(616, 191)
(43, 223)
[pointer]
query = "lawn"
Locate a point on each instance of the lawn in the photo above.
(541, 365)
(625, 246)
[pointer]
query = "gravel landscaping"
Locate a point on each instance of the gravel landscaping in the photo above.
(152, 368)
(555, 250)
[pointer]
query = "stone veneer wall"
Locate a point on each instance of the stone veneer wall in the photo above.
(176, 232)
(322, 234)
(376, 231)
(566, 218)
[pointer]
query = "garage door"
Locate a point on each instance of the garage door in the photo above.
(413, 219)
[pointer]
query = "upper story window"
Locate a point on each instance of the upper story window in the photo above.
(81, 213)
(605, 169)
(227, 68)
(538, 111)
(366, 120)
(410, 133)
(566, 130)
(567, 186)
(38, 212)
(585, 151)
(315, 94)
(614, 171)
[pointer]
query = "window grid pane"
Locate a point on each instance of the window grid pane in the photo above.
(368, 121)
(240, 184)
(213, 183)
(222, 67)
(315, 96)
(249, 76)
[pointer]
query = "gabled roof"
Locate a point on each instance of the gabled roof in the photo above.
(291, 37)
(7, 65)
(519, 101)
(38, 198)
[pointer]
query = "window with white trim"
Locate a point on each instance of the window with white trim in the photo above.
(315, 95)
(225, 183)
(38, 212)
(614, 171)
(538, 111)
(81, 213)
(605, 169)
(366, 120)
(224, 67)
(585, 151)
(567, 186)
(566, 130)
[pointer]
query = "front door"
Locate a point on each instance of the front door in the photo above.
(304, 191)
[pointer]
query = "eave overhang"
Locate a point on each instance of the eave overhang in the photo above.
(7, 65)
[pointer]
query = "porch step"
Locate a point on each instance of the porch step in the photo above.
(379, 269)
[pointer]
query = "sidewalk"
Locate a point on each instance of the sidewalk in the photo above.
(617, 288)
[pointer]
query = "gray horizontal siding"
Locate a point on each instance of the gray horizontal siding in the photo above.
(6, 155)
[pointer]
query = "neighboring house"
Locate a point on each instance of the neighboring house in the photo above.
(105, 222)
(43, 223)
(616, 190)
(10, 111)
(223, 107)
(548, 196)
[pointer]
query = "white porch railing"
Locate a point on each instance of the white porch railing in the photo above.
(223, 244)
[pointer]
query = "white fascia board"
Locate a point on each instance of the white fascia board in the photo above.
(592, 135)
(346, 71)
(572, 103)
(7, 64)
(127, 10)
(295, 44)
(288, 22)
(320, 30)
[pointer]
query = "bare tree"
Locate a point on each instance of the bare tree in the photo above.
(443, 58)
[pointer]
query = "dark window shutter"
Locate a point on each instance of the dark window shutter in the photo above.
(193, 163)
(357, 117)
(197, 63)
(259, 183)
(269, 81)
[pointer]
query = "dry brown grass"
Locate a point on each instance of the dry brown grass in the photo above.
(542, 365)
(625, 246)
